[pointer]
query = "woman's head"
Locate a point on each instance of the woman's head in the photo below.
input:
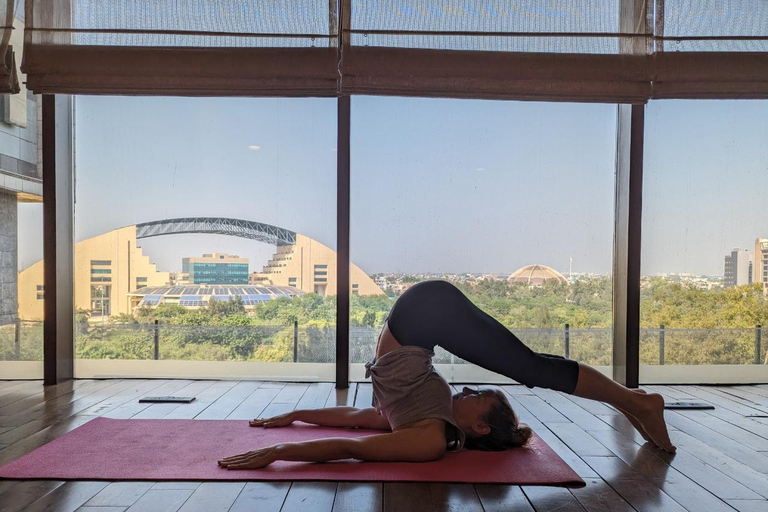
(488, 421)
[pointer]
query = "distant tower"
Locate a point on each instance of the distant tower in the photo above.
(760, 263)
(738, 269)
(570, 267)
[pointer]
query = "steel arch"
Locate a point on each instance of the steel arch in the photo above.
(217, 226)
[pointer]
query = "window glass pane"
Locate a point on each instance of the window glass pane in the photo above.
(704, 235)
(512, 202)
(22, 287)
(208, 216)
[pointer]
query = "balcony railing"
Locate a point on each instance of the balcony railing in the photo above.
(23, 341)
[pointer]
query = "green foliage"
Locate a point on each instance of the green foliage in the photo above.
(224, 331)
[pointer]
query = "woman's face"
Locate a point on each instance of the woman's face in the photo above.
(470, 407)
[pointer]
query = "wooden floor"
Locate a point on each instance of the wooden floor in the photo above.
(721, 464)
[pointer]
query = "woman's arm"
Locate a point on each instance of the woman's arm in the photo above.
(408, 445)
(349, 417)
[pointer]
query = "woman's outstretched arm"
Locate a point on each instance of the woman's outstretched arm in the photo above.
(345, 417)
(407, 445)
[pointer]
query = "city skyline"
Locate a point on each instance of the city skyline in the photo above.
(413, 161)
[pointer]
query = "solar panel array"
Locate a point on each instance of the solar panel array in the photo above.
(200, 296)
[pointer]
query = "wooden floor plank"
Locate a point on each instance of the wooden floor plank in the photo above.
(454, 498)
(161, 410)
(212, 497)
(18, 495)
(67, 498)
(364, 397)
(253, 406)
(552, 499)
(517, 389)
(317, 496)
(570, 410)
(359, 497)
(119, 494)
(635, 454)
(261, 497)
(202, 401)
(101, 509)
(342, 397)
(133, 407)
(579, 441)
(407, 497)
(632, 486)
(161, 500)
(35, 425)
(569, 456)
(719, 441)
(286, 400)
(316, 396)
(229, 401)
(16, 386)
(137, 389)
(736, 469)
(59, 394)
(679, 487)
(598, 496)
(502, 498)
(749, 506)
(541, 409)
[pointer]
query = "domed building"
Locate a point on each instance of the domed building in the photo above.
(536, 275)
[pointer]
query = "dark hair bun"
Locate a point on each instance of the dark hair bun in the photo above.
(521, 435)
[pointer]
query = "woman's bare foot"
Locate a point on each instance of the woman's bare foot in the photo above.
(635, 423)
(650, 413)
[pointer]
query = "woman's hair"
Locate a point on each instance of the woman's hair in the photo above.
(506, 430)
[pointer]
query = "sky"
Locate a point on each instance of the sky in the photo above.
(438, 185)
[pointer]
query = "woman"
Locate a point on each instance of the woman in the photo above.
(414, 403)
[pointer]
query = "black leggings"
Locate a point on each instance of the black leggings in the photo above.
(437, 313)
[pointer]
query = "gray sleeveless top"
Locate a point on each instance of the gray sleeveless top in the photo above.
(407, 388)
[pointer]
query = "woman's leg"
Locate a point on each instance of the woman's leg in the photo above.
(437, 313)
(646, 409)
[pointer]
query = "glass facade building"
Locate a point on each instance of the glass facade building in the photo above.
(216, 269)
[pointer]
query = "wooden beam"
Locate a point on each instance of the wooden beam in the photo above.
(58, 242)
(626, 249)
(342, 236)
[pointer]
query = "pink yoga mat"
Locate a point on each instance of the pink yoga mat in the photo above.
(109, 449)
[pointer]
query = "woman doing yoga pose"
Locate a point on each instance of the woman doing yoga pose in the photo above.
(414, 404)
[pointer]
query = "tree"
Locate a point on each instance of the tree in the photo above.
(369, 319)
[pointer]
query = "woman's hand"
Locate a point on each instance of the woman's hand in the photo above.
(277, 421)
(251, 460)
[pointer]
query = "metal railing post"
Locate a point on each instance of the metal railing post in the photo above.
(17, 340)
(661, 344)
(295, 341)
(157, 340)
(567, 341)
(758, 342)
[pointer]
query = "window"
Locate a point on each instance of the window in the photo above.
(40, 296)
(40, 287)
(700, 204)
(512, 202)
(281, 148)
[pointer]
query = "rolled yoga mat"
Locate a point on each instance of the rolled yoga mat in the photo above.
(110, 449)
